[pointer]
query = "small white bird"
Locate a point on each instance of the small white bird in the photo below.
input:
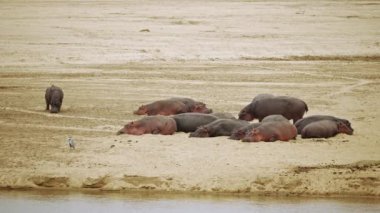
(71, 143)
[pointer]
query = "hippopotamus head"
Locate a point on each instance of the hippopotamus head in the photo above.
(200, 108)
(55, 105)
(245, 115)
(255, 135)
(201, 132)
(142, 110)
(343, 127)
(132, 128)
(237, 134)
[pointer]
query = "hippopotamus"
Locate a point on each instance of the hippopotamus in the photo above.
(190, 121)
(262, 96)
(300, 124)
(271, 118)
(172, 106)
(223, 115)
(220, 127)
(239, 133)
(325, 129)
(162, 107)
(156, 124)
(289, 107)
(54, 98)
(272, 131)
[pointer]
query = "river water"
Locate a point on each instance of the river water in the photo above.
(55, 202)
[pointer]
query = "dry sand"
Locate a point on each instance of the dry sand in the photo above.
(111, 57)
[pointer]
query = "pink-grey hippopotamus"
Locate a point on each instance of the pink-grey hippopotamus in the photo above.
(54, 98)
(172, 106)
(220, 127)
(325, 129)
(240, 133)
(272, 131)
(300, 124)
(157, 124)
(289, 107)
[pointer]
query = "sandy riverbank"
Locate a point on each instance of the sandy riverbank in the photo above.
(222, 53)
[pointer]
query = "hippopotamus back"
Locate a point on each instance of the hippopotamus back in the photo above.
(275, 118)
(189, 122)
(220, 127)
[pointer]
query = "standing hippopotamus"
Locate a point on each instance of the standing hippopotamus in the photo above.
(189, 122)
(162, 107)
(272, 131)
(150, 125)
(325, 129)
(240, 133)
(53, 98)
(289, 107)
(300, 124)
(220, 127)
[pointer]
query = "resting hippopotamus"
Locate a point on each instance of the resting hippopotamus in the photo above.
(162, 107)
(240, 133)
(194, 106)
(272, 131)
(189, 122)
(262, 96)
(220, 127)
(289, 107)
(325, 129)
(223, 115)
(172, 106)
(300, 124)
(276, 118)
(157, 124)
(54, 98)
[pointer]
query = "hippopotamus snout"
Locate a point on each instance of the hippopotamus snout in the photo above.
(54, 109)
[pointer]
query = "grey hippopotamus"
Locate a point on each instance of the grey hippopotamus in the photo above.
(240, 133)
(157, 124)
(272, 131)
(54, 98)
(300, 124)
(223, 115)
(325, 129)
(220, 127)
(262, 96)
(276, 118)
(189, 122)
(289, 107)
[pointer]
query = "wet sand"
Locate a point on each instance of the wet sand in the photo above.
(110, 58)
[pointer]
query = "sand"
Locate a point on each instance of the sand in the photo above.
(111, 57)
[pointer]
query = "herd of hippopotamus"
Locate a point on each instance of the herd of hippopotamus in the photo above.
(187, 115)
